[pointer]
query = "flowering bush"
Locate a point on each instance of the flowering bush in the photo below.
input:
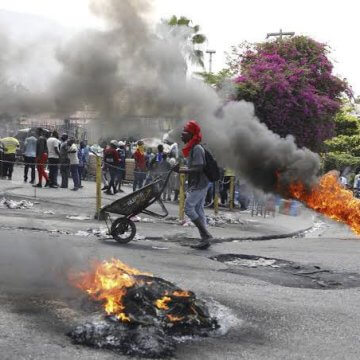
(291, 84)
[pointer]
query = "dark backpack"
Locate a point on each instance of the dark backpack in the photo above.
(211, 168)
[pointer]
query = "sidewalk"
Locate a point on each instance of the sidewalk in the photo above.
(72, 212)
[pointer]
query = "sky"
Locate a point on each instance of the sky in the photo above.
(229, 22)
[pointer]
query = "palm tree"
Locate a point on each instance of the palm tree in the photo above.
(195, 37)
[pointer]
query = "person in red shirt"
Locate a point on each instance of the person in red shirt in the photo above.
(140, 166)
(111, 161)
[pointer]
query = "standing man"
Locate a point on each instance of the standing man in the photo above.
(83, 155)
(41, 157)
(197, 181)
(74, 163)
(140, 166)
(122, 165)
(53, 144)
(111, 161)
(64, 161)
(30, 156)
(10, 145)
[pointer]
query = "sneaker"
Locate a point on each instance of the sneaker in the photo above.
(108, 192)
(37, 186)
(75, 189)
(105, 188)
(32, 181)
(47, 184)
(54, 186)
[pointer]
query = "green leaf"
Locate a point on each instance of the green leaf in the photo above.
(183, 21)
(198, 39)
(173, 21)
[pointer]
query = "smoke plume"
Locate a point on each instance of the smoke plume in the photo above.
(132, 68)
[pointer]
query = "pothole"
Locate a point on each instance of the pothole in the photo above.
(287, 273)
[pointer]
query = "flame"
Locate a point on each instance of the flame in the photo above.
(181, 293)
(173, 318)
(162, 303)
(108, 282)
(330, 198)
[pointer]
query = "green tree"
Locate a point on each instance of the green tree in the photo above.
(193, 35)
(343, 150)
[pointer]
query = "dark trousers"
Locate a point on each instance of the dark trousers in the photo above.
(139, 178)
(81, 172)
(224, 188)
(120, 177)
(74, 170)
(64, 171)
(29, 164)
(113, 176)
(8, 165)
(53, 170)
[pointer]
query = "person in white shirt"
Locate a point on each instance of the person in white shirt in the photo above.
(343, 181)
(30, 156)
(53, 145)
(74, 163)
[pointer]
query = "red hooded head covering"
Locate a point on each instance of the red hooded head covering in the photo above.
(192, 127)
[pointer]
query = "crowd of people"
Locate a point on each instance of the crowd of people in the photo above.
(147, 166)
(48, 154)
(52, 156)
(41, 151)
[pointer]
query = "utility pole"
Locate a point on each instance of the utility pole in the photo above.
(280, 34)
(211, 53)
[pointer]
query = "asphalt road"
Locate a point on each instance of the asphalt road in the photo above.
(261, 320)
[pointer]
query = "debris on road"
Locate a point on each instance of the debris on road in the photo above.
(78, 217)
(252, 263)
(287, 273)
(13, 204)
(144, 314)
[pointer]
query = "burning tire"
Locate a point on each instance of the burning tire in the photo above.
(123, 230)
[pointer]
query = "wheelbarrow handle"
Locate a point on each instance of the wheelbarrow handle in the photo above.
(163, 208)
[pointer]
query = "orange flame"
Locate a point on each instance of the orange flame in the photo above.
(330, 198)
(173, 318)
(108, 282)
(162, 303)
(181, 293)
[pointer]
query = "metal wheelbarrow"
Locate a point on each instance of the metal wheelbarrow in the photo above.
(123, 229)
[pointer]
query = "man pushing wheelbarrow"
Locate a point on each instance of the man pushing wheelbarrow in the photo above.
(201, 169)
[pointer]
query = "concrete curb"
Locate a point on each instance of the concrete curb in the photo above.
(159, 238)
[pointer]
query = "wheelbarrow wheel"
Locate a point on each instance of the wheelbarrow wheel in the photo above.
(123, 230)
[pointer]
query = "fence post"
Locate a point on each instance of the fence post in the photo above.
(216, 198)
(98, 187)
(182, 197)
(231, 192)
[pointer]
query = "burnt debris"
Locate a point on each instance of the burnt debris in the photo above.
(157, 314)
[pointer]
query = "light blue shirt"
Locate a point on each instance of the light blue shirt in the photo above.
(30, 146)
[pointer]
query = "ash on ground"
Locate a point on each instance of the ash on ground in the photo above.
(153, 330)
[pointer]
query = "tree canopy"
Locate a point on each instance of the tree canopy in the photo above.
(291, 83)
(343, 150)
(194, 36)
